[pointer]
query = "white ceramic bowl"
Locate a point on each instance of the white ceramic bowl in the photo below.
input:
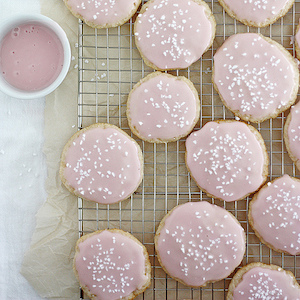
(18, 20)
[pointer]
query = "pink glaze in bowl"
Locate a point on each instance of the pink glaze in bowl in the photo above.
(54, 80)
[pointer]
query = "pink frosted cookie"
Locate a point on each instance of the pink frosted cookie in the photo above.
(103, 13)
(101, 163)
(258, 13)
(255, 77)
(173, 34)
(111, 264)
(227, 159)
(261, 281)
(274, 214)
(198, 243)
(163, 108)
(292, 134)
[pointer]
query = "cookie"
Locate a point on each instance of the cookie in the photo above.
(227, 159)
(198, 243)
(173, 34)
(274, 214)
(163, 108)
(103, 13)
(297, 41)
(292, 134)
(111, 264)
(256, 77)
(101, 163)
(259, 13)
(261, 281)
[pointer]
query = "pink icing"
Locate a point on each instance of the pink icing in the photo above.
(104, 12)
(31, 57)
(163, 108)
(263, 283)
(297, 36)
(276, 214)
(253, 76)
(200, 242)
(111, 265)
(293, 131)
(225, 159)
(103, 165)
(258, 11)
(173, 34)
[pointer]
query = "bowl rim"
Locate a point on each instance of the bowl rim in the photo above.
(19, 19)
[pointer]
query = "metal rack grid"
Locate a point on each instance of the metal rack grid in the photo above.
(109, 65)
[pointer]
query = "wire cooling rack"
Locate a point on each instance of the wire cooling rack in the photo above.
(109, 65)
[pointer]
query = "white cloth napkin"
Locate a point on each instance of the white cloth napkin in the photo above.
(22, 176)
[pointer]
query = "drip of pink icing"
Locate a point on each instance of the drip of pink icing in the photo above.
(263, 283)
(253, 76)
(103, 165)
(103, 12)
(293, 131)
(225, 159)
(31, 57)
(276, 214)
(200, 242)
(111, 265)
(173, 34)
(258, 11)
(163, 107)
